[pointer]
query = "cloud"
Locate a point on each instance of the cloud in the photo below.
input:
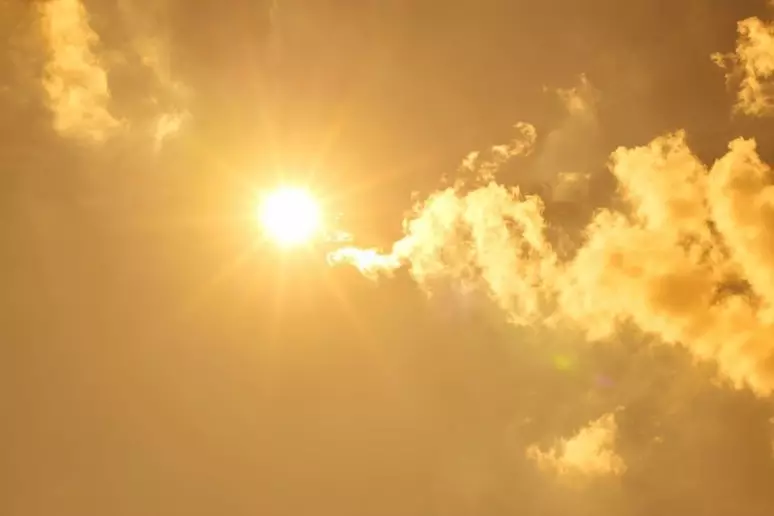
(580, 100)
(589, 453)
(662, 266)
(498, 240)
(76, 78)
(370, 262)
(75, 81)
(650, 253)
(686, 256)
(470, 229)
(491, 235)
(571, 186)
(671, 265)
(568, 154)
(561, 160)
(742, 201)
(484, 166)
(150, 45)
(168, 125)
(750, 67)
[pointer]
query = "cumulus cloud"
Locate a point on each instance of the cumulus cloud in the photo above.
(742, 201)
(750, 67)
(75, 81)
(491, 235)
(589, 453)
(686, 258)
(663, 266)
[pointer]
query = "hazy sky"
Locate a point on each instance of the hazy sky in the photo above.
(598, 342)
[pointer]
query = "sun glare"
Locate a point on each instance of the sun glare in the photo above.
(290, 216)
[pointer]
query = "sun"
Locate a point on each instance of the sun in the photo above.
(290, 216)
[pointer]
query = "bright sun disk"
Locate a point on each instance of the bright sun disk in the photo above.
(290, 216)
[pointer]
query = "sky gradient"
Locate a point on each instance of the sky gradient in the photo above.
(572, 210)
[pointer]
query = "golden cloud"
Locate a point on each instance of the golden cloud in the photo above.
(75, 81)
(483, 168)
(589, 453)
(673, 260)
(750, 67)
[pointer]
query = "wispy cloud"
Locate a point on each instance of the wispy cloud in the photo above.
(150, 44)
(483, 166)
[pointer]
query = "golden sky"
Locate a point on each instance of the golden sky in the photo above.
(536, 274)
